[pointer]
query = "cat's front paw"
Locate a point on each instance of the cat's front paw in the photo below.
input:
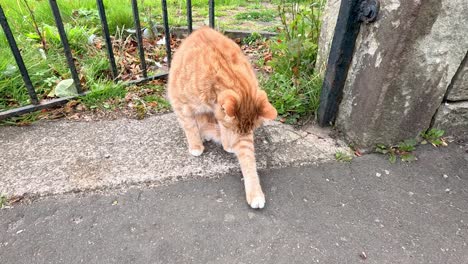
(256, 200)
(196, 151)
(229, 150)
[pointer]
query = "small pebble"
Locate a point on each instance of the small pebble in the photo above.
(447, 190)
(378, 174)
(363, 255)
(445, 176)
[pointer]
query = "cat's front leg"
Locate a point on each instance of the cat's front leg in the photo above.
(245, 152)
(192, 132)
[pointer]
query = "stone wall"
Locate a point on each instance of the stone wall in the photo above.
(458, 90)
(452, 115)
(402, 68)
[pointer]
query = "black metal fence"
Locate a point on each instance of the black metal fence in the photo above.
(37, 105)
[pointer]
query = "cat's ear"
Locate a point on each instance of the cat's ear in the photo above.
(266, 110)
(228, 100)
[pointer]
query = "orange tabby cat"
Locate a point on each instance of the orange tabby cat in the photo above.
(214, 92)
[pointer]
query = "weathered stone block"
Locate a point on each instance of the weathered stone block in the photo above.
(459, 89)
(329, 17)
(402, 66)
(453, 118)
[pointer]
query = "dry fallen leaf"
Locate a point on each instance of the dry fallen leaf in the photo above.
(268, 69)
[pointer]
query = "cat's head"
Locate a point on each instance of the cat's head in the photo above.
(240, 114)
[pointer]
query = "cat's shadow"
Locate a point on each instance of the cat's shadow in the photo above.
(263, 148)
(216, 149)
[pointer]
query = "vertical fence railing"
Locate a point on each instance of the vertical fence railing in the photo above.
(36, 105)
(105, 32)
(141, 51)
(19, 60)
(189, 16)
(66, 46)
(212, 13)
(166, 32)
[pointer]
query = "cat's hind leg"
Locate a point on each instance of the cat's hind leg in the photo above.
(209, 127)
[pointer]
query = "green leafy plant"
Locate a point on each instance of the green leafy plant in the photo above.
(3, 201)
(403, 150)
(407, 145)
(294, 87)
(343, 157)
(84, 13)
(407, 157)
(252, 38)
(433, 136)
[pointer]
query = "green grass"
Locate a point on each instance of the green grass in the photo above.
(101, 93)
(263, 15)
(161, 103)
(254, 37)
(293, 100)
(47, 65)
(294, 87)
(22, 120)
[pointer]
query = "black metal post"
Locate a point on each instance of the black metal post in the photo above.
(136, 19)
(31, 108)
(339, 60)
(105, 32)
(19, 60)
(167, 32)
(212, 13)
(189, 15)
(147, 79)
(66, 46)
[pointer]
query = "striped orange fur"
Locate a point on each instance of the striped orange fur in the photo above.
(215, 94)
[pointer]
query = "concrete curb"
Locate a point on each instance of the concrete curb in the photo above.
(55, 157)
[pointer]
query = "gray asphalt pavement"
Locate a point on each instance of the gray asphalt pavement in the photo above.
(366, 211)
